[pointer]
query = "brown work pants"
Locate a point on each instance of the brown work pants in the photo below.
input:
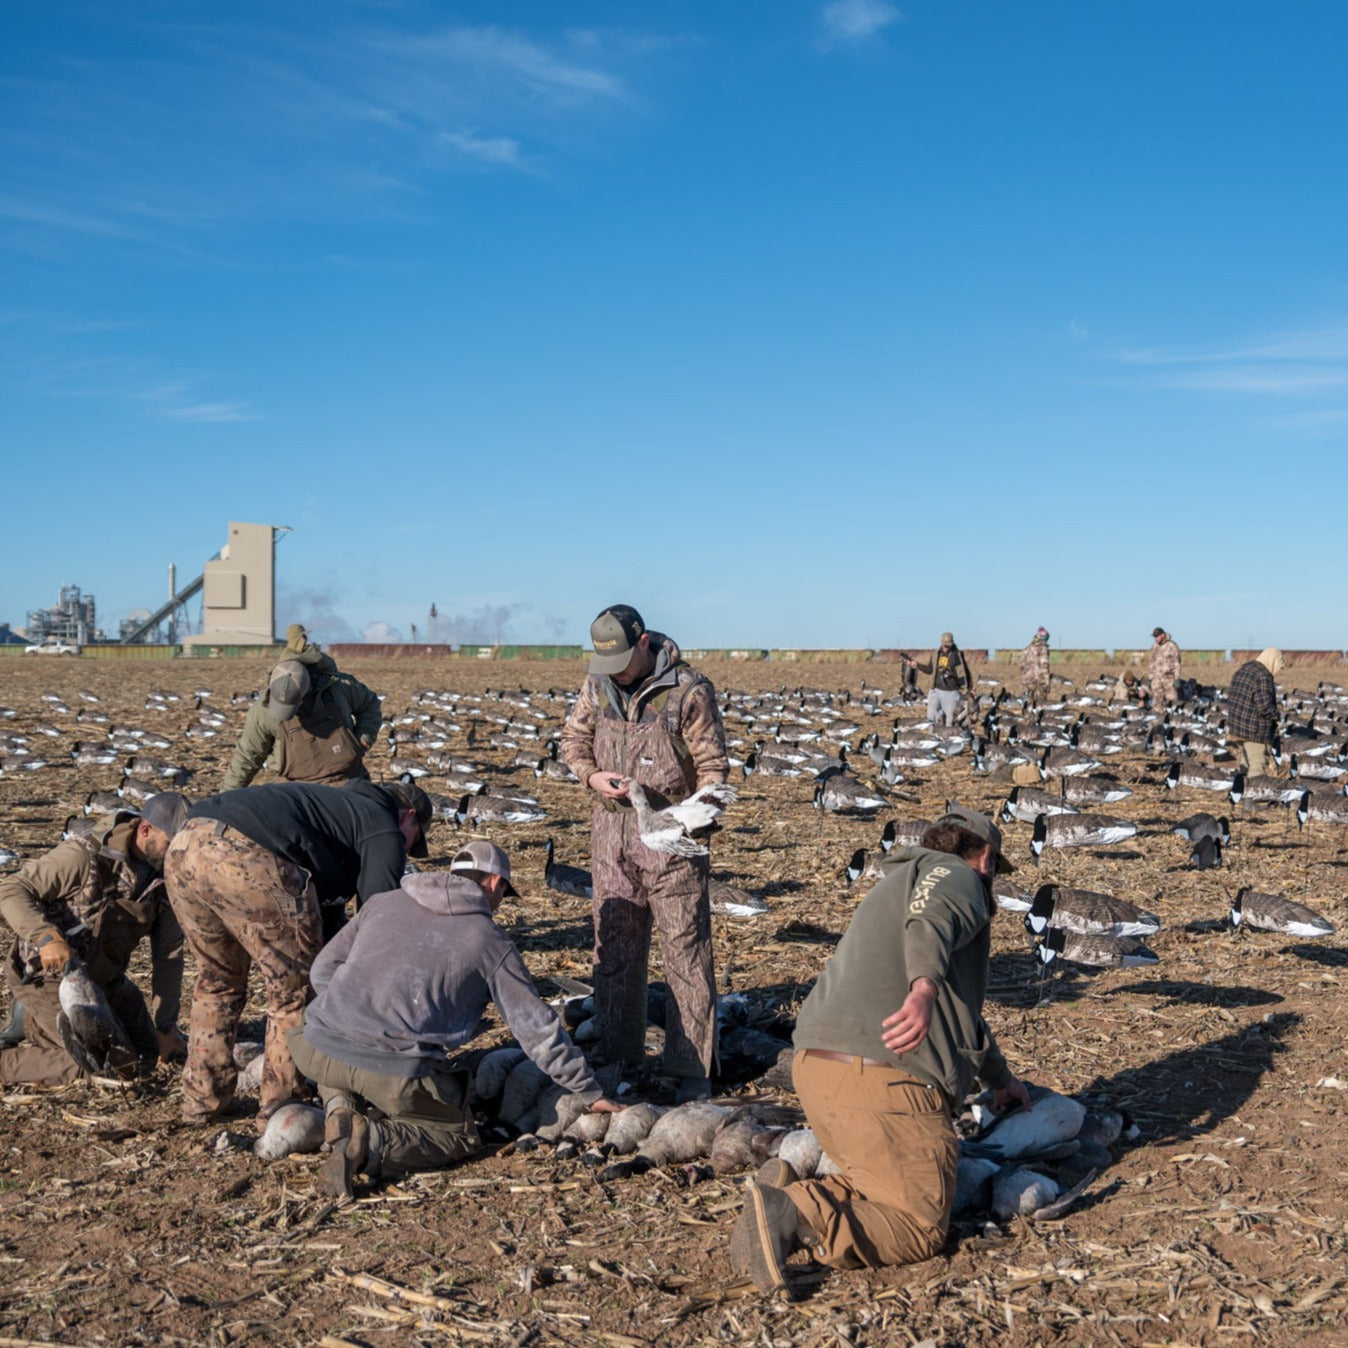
(635, 888)
(239, 905)
(892, 1140)
(41, 1057)
(1254, 758)
(426, 1121)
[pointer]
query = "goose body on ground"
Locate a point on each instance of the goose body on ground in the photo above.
(1323, 807)
(496, 810)
(1199, 777)
(1088, 913)
(1201, 825)
(1316, 769)
(1262, 790)
(1272, 912)
(1079, 830)
(1067, 763)
(1090, 790)
(838, 793)
(729, 901)
(1207, 854)
(1026, 803)
(1095, 952)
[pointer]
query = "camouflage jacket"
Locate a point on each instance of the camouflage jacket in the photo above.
(675, 693)
(1034, 664)
(1164, 662)
(103, 902)
(263, 742)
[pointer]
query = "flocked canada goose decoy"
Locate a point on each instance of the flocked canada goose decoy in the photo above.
(1079, 830)
(1264, 790)
(1027, 802)
(838, 793)
(567, 879)
(1199, 777)
(1088, 913)
(1201, 825)
(1090, 790)
(1096, 952)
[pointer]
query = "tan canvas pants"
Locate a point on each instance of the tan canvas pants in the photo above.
(896, 1150)
(239, 905)
(1253, 758)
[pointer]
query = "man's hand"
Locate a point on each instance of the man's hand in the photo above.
(605, 1106)
(1013, 1092)
(608, 784)
(172, 1046)
(907, 1027)
(53, 951)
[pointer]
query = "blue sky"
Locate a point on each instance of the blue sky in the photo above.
(819, 324)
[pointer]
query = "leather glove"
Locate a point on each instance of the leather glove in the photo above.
(53, 951)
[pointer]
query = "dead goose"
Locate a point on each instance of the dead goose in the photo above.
(567, 879)
(680, 1134)
(1079, 830)
(668, 830)
(293, 1130)
(1089, 913)
(89, 1028)
(1271, 912)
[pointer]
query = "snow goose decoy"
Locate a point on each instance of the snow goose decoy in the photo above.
(668, 830)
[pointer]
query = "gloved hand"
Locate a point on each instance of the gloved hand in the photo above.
(172, 1046)
(53, 951)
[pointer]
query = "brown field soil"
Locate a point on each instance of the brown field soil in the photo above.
(1223, 1222)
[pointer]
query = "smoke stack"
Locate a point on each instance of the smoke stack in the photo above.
(173, 580)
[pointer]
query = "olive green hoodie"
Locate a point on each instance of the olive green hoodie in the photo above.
(927, 918)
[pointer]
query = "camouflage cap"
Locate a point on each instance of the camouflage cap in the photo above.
(486, 859)
(409, 796)
(286, 689)
(614, 634)
(166, 811)
(981, 827)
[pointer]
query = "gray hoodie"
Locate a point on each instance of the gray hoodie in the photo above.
(406, 983)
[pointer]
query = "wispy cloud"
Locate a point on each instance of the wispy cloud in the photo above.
(489, 149)
(848, 21)
(1312, 363)
(178, 402)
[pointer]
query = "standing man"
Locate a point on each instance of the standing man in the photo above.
(398, 991)
(1252, 709)
(879, 1085)
(644, 715)
(950, 680)
(93, 899)
(1034, 667)
(1164, 669)
(246, 874)
(313, 723)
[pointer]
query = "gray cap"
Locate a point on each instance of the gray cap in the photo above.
(614, 635)
(487, 859)
(166, 811)
(981, 827)
(286, 689)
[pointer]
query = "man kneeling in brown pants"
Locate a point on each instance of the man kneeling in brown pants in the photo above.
(878, 1089)
(398, 990)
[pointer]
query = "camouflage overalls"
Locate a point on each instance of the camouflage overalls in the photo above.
(672, 741)
(240, 904)
(1164, 669)
(103, 902)
(1034, 668)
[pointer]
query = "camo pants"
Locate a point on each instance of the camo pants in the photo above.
(239, 904)
(635, 888)
(41, 1057)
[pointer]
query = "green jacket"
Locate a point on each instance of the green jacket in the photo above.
(927, 918)
(262, 742)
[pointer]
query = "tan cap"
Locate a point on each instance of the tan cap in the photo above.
(486, 859)
(981, 827)
(614, 634)
(947, 639)
(286, 689)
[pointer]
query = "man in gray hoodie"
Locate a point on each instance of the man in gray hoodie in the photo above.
(399, 990)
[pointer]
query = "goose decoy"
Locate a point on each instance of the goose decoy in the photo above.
(1079, 830)
(1207, 854)
(769, 765)
(1322, 807)
(1198, 777)
(1056, 762)
(1087, 913)
(1095, 952)
(1198, 826)
(567, 879)
(93, 755)
(1315, 769)
(668, 830)
(1264, 790)
(1027, 802)
(1271, 912)
(494, 810)
(1094, 790)
(864, 865)
(728, 901)
(838, 793)
(1010, 896)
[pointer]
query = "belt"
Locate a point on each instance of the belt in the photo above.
(848, 1058)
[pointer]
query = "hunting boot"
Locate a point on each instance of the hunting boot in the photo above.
(12, 1034)
(347, 1135)
(769, 1231)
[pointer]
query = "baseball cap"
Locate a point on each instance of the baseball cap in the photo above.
(487, 859)
(1158, 631)
(947, 639)
(614, 634)
(409, 796)
(166, 811)
(286, 689)
(981, 827)
(1042, 632)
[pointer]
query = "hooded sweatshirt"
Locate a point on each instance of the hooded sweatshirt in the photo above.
(405, 984)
